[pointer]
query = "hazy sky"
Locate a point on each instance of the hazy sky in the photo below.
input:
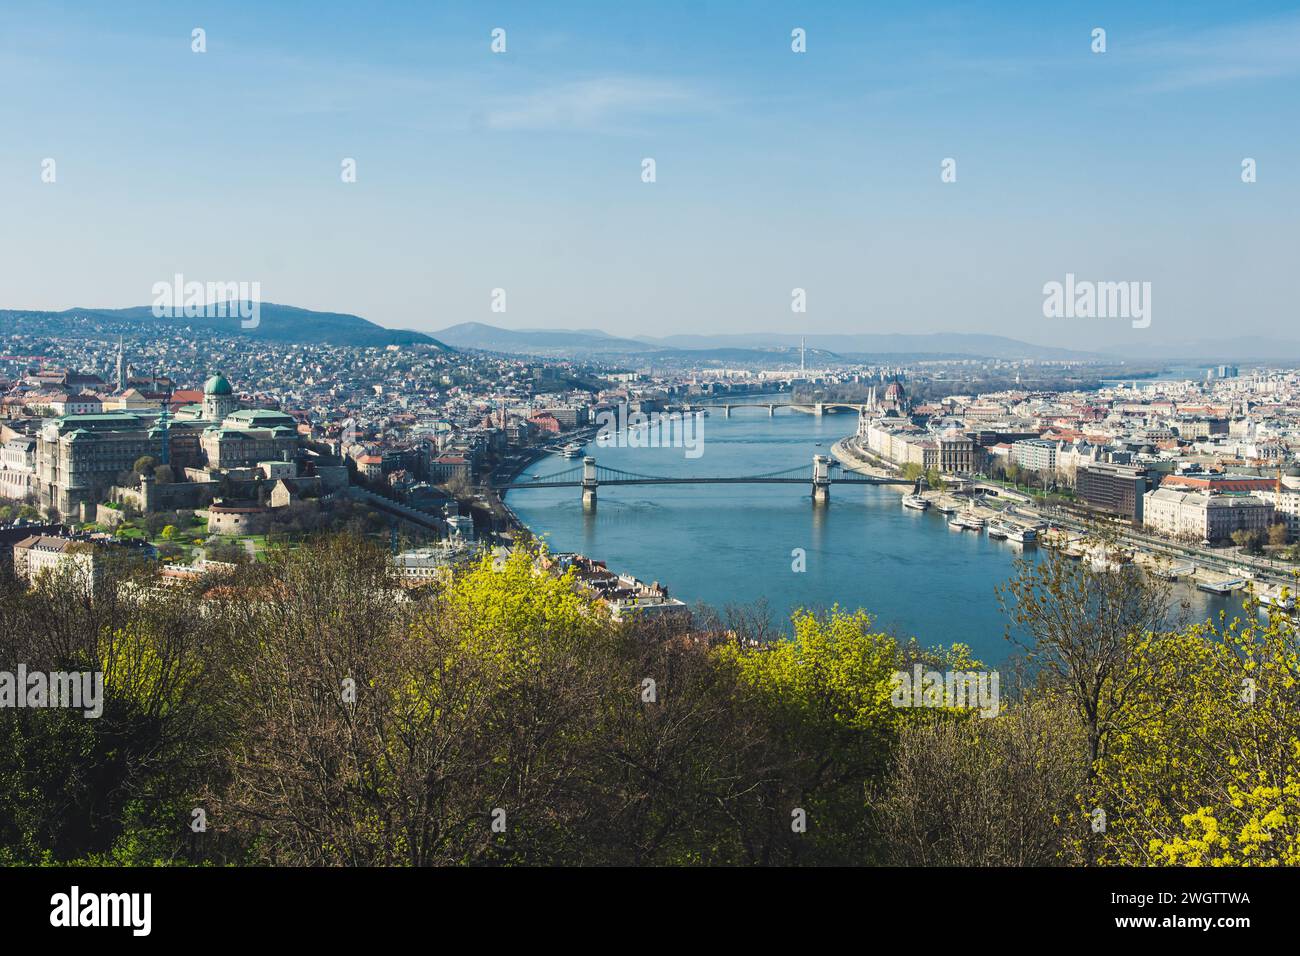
(774, 169)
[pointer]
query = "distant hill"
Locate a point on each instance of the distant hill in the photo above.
(1245, 348)
(276, 323)
(490, 338)
(879, 344)
(476, 335)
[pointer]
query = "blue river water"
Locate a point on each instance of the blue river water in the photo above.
(725, 544)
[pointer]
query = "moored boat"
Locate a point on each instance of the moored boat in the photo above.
(1018, 534)
(1220, 587)
(1279, 598)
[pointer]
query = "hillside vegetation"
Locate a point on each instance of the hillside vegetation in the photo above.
(302, 712)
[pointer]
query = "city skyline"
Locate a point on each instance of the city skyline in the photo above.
(593, 436)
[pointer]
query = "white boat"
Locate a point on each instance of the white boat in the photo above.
(915, 502)
(968, 520)
(571, 450)
(946, 506)
(1018, 534)
(997, 532)
(1273, 597)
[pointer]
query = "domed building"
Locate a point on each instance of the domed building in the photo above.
(895, 397)
(218, 398)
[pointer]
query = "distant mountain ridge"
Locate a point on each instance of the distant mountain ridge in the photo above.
(294, 325)
(877, 343)
(1244, 348)
(276, 323)
(477, 335)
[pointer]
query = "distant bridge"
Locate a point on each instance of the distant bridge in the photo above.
(589, 477)
(814, 408)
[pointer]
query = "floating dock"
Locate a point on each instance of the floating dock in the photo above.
(1221, 587)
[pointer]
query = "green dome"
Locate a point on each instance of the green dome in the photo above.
(217, 385)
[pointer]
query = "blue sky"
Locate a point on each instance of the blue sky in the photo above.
(775, 170)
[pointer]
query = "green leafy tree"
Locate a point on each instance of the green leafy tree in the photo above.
(1207, 772)
(1250, 541)
(1080, 621)
(826, 693)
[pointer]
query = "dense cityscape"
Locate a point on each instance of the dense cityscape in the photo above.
(187, 455)
(450, 446)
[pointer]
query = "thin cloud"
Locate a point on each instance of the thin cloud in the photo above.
(1261, 49)
(592, 104)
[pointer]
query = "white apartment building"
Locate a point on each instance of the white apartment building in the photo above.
(17, 468)
(40, 553)
(902, 444)
(1286, 507)
(1195, 515)
(85, 403)
(1035, 454)
(433, 563)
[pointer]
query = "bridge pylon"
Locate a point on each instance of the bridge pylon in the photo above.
(821, 482)
(589, 484)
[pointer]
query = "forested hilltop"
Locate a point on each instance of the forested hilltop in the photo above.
(309, 710)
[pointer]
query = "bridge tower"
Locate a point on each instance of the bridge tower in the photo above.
(771, 411)
(821, 483)
(589, 484)
(726, 413)
(819, 409)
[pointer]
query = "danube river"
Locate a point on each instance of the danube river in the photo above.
(721, 544)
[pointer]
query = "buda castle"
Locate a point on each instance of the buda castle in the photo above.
(80, 457)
